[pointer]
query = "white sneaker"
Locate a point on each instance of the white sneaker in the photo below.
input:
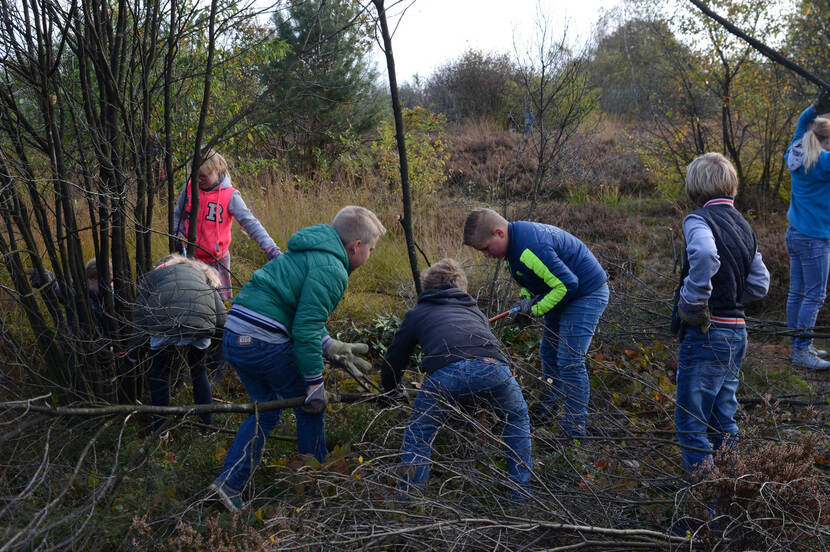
(231, 500)
(821, 353)
(806, 359)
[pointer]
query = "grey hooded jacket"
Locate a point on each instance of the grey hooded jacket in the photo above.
(176, 301)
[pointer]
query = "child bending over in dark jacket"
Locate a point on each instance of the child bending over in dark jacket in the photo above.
(463, 361)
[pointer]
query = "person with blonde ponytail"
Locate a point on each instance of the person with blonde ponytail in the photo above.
(178, 308)
(808, 237)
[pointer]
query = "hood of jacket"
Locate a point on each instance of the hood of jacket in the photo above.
(447, 294)
(221, 185)
(321, 237)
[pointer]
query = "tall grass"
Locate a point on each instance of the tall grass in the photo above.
(285, 204)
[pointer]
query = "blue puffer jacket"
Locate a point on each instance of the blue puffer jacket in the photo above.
(551, 263)
(810, 193)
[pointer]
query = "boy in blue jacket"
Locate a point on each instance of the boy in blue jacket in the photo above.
(722, 270)
(275, 331)
(463, 361)
(568, 289)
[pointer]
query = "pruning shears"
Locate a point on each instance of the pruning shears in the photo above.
(505, 313)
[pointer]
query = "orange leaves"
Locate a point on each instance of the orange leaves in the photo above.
(219, 455)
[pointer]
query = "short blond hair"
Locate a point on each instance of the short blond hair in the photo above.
(211, 274)
(445, 271)
(354, 223)
(711, 175)
(212, 160)
(480, 224)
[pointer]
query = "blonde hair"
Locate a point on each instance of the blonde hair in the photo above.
(212, 160)
(445, 271)
(711, 175)
(354, 223)
(817, 132)
(211, 274)
(480, 224)
(91, 269)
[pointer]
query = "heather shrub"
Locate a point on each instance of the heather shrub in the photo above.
(235, 537)
(765, 498)
(483, 159)
(604, 159)
(608, 232)
(774, 251)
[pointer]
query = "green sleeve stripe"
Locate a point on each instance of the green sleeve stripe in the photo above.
(557, 288)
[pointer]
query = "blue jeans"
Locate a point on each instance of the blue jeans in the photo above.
(809, 266)
(565, 341)
(463, 381)
(707, 380)
(268, 372)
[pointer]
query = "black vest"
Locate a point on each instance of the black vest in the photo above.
(736, 244)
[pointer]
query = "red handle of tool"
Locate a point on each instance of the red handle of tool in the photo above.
(505, 313)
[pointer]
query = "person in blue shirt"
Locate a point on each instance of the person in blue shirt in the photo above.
(722, 270)
(808, 237)
(568, 289)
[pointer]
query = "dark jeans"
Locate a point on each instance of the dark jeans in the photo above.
(163, 359)
(268, 372)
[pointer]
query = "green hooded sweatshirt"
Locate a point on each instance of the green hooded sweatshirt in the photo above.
(300, 288)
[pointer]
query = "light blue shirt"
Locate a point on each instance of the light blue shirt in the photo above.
(157, 343)
(237, 209)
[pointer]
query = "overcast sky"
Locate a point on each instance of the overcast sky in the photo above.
(431, 32)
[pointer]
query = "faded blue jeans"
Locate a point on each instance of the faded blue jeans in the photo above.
(268, 372)
(565, 341)
(708, 366)
(462, 381)
(809, 266)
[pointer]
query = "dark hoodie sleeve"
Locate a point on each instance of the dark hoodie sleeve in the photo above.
(397, 355)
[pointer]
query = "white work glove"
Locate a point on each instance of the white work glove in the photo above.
(345, 355)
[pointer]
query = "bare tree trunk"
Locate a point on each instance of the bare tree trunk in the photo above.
(406, 221)
(197, 147)
(168, 141)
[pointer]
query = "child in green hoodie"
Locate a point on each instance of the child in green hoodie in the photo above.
(276, 330)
